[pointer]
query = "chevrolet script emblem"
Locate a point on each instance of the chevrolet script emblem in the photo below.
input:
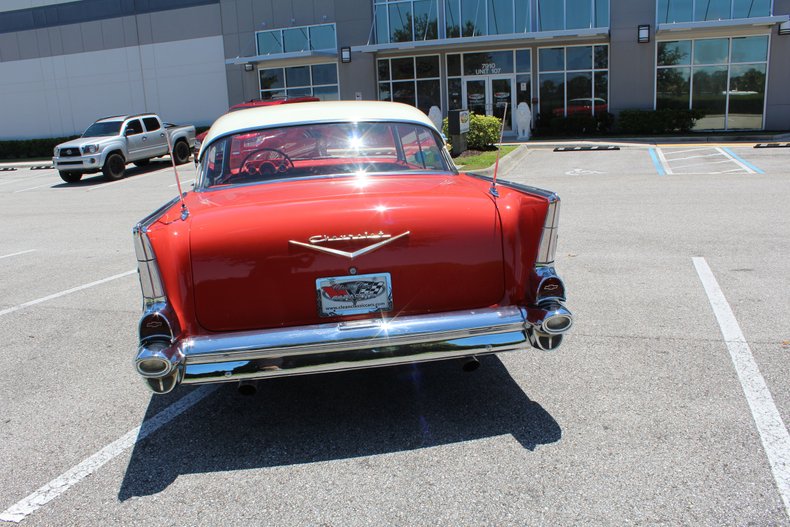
(318, 239)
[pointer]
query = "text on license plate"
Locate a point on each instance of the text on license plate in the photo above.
(354, 295)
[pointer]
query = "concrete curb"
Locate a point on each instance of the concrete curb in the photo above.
(511, 159)
(642, 142)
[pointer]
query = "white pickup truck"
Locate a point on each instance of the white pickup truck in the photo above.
(111, 143)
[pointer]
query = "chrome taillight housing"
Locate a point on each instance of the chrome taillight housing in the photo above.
(147, 269)
(548, 240)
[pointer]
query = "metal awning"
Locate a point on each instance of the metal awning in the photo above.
(282, 56)
(535, 37)
(716, 24)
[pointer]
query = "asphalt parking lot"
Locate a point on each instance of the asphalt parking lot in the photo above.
(666, 405)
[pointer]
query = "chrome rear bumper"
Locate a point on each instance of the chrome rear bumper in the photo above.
(351, 345)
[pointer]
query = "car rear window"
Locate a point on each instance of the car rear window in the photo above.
(322, 150)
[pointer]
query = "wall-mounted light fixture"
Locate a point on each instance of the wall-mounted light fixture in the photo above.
(248, 67)
(784, 28)
(345, 54)
(643, 34)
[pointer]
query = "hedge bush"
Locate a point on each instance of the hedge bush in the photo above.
(31, 148)
(578, 124)
(483, 131)
(663, 121)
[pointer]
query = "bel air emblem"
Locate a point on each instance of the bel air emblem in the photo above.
(324, 238)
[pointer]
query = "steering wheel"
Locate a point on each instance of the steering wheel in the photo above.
(265, 162)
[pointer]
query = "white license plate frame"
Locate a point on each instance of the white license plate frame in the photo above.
(354, 294)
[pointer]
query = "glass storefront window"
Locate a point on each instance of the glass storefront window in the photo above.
(551, 59)
(674, 53)
(578, 15)
(500, 17)
(452, 19)
(406, 20)
(574, 80)
(473, 18)
(750, 49)
(318, 80)
(453, 65)
(671, 11)
(426, 22)
(415, 81)
(296, 39)
(523, 60)
(734, 104)
(673, 88)
(400, 22)
(551, 15)
(711, 51)
(492, 63)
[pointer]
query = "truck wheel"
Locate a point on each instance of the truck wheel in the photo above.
(114, 167)
(70, 177)
(142, 162)
(181, 152)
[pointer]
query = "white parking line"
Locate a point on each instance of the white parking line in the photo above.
(736, 161)
(693, 157)
(182, 183)
(772, 430)
(703, 164)
(33, 188)
(20, 510)
(124, 180)
(663, 160)
(64, 293)
(24, 178)
(687, 150)
(16, 254)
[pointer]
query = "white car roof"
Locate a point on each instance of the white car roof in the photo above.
(314, 112)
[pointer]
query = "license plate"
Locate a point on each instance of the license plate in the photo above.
(354, 295)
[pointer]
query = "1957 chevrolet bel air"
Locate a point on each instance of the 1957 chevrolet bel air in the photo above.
(327, 236)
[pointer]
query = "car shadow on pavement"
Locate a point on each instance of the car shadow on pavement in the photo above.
(91, 180)
(336, 416)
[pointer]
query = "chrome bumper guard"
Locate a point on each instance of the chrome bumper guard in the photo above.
(359, 344)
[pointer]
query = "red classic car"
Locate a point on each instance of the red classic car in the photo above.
(328, 236)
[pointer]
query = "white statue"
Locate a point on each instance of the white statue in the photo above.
(524, 121)
(435, 115)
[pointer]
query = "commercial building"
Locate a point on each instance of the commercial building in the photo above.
(65, 63)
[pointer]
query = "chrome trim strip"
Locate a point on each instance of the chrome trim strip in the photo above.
(360, 252)
(535, 191)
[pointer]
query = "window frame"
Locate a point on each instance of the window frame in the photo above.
(728, 64)
(593, 70)
(694, 10)
(282, 38)
(311, 85)
(415, 79)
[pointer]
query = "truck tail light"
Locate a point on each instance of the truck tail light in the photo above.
(548, 240)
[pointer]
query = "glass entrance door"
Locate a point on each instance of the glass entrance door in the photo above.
(489, 96)
(476, 96)
(502, 93)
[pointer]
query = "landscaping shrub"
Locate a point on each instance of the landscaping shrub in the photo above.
(575, 125)
(658, 121)
(31, 148)
(483, 131)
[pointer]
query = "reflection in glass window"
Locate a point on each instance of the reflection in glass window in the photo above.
(407, 20)
(296, 39)
(454, 101)
(573, 81)
(673, 88)
(750, 49)
(550, 15)
(551, 59)
(704, 86)
(317, 80)
(322, 37)
(674, 53)
(579, 57)
(452, 18)
(711, 51)
(453, 65)
(500, 17)
(671, 11)
(415, 81)
(578, 14)
(297, 76)
(746, 96)
(400, 22)
(751, 8)
(473, 18)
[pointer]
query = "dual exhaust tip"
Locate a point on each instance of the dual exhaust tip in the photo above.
(548, 324)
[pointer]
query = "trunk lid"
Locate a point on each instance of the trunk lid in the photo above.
(257, 250)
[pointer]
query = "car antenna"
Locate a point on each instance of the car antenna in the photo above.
(184, 210)
(493, 189)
